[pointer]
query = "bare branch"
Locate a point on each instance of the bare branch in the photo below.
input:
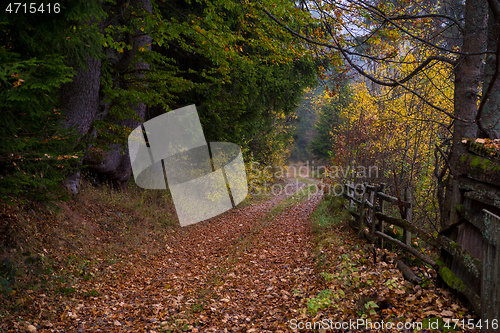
(430, 104)
(495, 8)
(381, 14)
(452, 170)
(346, 53)
(410, 17)
(487, 94)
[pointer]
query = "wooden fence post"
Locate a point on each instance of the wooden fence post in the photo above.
(381, 223)
(373, 200)
(490, 282)
(351, 202)
(361, 221)
(408, 217)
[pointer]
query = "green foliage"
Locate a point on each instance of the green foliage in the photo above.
(72, 33)
(368, 308)
(244, 74)
(330, 121)
(7, 276)
(327, 276)
(35, 50)
(91, 293)
(323, 218)
(329, 214)
(35, 151)
(247, 75)
(30, 272)
(325, 298)
(306, 117)
(346, 269)
(320, 302)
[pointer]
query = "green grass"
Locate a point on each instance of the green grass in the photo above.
(294, 199)
(329, 213)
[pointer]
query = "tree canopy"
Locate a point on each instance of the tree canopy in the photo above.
(74, 83)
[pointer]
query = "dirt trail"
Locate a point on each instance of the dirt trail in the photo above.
(252, 269)
(245, 271)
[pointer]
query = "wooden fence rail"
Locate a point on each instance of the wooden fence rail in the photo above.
(368, 205)
(373, 198)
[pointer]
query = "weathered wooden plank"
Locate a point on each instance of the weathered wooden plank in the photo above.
(382, 211)
(448, 276)
(491, 228)
(392, 200)
(361, 221)
(408, 217)
(373, 198)
(469, 261)
(410, 249)
(354, 214)
(443, 242)
(354, 200)
(455, 283)
(407, 272)
(482, 197)
(487, 194)
(479, 168)
(469, 239)
(371, 187)
(490, 284)
(491, 192)
(369, 204)
(474, 219)
(349, 185)
(349, 196)
(405, 224)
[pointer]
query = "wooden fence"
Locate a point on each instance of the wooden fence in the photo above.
(480, 283)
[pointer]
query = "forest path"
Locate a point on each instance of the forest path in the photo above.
(248, 270)
(256, 268)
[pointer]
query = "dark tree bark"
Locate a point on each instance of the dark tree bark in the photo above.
(468, 77)
(81, 97)
(489, 120)
(80, 102)
(115, 163)
(468, 72)
(83, 103)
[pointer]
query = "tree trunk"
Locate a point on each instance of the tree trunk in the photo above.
(490, 116)
(80, 102)
(81, 97)
(468, 76)
(468, 72)
(115, 164)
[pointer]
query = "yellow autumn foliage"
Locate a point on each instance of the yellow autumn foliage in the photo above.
(398, 128)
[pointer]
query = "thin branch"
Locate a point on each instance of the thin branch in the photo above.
(130, 71)
(69, 243)
(448, 164)
(345, 53)
(410, 17)
(381, 14)
(495, 8)
(487, 94)
(431, 80)
(432, 105)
